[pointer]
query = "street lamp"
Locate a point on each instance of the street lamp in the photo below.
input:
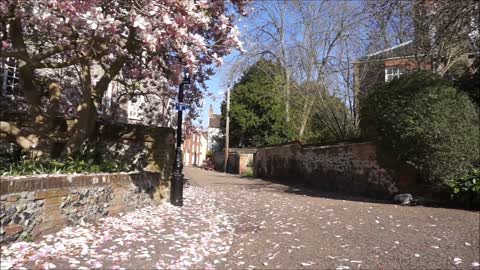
(177, 178)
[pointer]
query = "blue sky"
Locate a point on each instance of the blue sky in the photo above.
(216, 86)
(218, 82)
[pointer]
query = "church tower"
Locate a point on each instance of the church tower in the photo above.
(210, 112)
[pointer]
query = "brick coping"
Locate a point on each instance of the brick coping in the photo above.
(19, 177)
(304, 146)
(16, 184)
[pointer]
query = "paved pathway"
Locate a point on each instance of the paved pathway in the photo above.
(233, 222)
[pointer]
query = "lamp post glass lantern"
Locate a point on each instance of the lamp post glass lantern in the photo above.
(177, 177)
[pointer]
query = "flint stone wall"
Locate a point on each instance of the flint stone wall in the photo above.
(345, 168)
(143, 147)
(33, 206)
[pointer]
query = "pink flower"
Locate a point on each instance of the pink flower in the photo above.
(179, 19)
(140, 22)
(177, 73)
(5, 45)
(48, 265)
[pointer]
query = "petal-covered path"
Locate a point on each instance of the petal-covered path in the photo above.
(233, 222)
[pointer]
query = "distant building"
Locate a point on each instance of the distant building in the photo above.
(383, 66)
(143, 106)
(213, 131)
(194, 149)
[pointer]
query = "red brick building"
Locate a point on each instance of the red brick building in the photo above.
(194, 149)
(424, 51)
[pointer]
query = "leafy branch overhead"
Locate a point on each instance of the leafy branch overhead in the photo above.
(99, 41)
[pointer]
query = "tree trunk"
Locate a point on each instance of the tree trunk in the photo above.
(284, 61)
(86, 114)
(287, 96)
(307, 111)
(84, 128)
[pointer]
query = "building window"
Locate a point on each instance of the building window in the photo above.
(10, 77)
(392, 73)
(107, 98)
(134, 109)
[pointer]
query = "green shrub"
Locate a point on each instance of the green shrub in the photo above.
(87, 160)
(423, 122)
(248, 173)
(28, 237)
(466, 189)
(470, 83)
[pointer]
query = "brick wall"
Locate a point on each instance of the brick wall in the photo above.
(345, 168)
(38, 205)
(244, 160)
(238, 160)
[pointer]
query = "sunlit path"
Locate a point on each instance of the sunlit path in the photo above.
(233, 222)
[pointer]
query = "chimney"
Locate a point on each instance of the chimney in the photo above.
(210, 112)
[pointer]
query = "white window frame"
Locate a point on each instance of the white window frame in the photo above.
(392, 73)
(5, 76)
(107, 98)
(134, 108)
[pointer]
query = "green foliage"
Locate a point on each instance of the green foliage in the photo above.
(26, 237)
(86, 160)
(257, 112)
(425, 123)
(466, 188)
(330, 122)
(248, 173)
(470, 182)
(470, 84)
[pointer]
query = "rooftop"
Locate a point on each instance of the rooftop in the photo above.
(401, 50)
(214, 121)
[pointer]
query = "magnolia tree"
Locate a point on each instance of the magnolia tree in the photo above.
(139, 40)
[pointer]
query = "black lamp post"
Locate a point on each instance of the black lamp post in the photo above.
(177, 178)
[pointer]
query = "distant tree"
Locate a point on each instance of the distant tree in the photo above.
(391, 23)
(329, 118)
(446, 33)
(256, 108)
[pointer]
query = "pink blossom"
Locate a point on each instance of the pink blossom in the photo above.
(179, 19)
(170, 31)
(140, 23)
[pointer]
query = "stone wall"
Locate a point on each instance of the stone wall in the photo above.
(143, 147)
(344, 168)
(31, 206)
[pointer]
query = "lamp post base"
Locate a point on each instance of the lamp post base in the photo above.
(177, 189)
